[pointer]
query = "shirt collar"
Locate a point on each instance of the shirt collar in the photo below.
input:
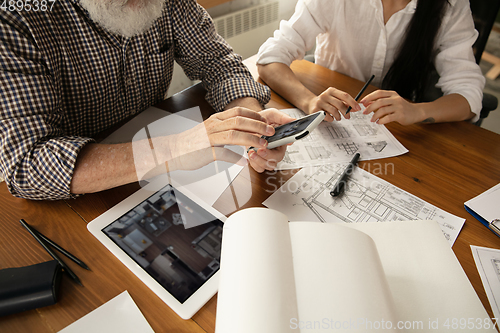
(410, 7)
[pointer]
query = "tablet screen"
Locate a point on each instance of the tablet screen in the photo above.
(154, 235)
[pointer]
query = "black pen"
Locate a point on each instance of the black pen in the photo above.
(339, 186)
(361, 92)
(52, 254)
(60, 249)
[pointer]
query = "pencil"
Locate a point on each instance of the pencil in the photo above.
(52, 254)
(60, 249)
(361, 92)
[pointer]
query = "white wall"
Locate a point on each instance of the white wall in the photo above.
(287, 7)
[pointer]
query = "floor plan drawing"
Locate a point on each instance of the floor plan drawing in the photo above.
(317, 152)
(365, 130)
(366, 198)
(337, 141)
(338, 132)
(496, 266)
(377, 146)
(488, 265)
(350, 148)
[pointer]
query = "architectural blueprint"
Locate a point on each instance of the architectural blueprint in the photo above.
(338, 141)
(488, 265)
(366, 198)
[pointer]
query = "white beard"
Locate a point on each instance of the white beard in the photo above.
(124, 17)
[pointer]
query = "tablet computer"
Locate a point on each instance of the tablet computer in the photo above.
(170, 240)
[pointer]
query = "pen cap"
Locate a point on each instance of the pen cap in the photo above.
(29, 287)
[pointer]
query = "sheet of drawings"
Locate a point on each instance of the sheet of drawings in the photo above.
(338, 141)
(366, 198)
(488, 265)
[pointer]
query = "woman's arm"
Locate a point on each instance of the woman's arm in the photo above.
(280, 78)
(289, 43)
(388, 106)
(461, 80)
(455, 62)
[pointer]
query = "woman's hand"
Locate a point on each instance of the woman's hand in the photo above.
(335, 102)
(388, 106)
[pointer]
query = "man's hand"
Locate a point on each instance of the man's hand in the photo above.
(102, 166)
(267, 159)
(236, 126)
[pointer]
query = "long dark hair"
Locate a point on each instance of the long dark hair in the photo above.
(409, 74)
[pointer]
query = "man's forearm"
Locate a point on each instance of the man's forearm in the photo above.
(100, 167)
(103, 166)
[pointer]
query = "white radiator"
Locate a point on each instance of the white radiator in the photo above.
(245, 30)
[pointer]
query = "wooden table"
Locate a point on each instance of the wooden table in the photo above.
(447, 164)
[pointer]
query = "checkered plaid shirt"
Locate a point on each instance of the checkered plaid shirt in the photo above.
(63, 79)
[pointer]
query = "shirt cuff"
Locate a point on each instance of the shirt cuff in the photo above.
(235, 88)
(46, 172)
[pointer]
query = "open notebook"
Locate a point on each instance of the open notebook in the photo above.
(279, 276)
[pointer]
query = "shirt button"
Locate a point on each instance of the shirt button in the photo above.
(129, 82)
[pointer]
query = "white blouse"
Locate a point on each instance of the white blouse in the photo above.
(351, 38)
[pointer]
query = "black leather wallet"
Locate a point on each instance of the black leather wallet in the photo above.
(30, 287)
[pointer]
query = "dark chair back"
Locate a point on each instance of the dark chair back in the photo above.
(484, 13)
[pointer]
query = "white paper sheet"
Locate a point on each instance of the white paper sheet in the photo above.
(339, 279)
(258, 284)
(431, 291)
(339, 141)
(488, 265)
(486, 204)
(367, 198)
(273, 276)
(341, 283)
(120, 315)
